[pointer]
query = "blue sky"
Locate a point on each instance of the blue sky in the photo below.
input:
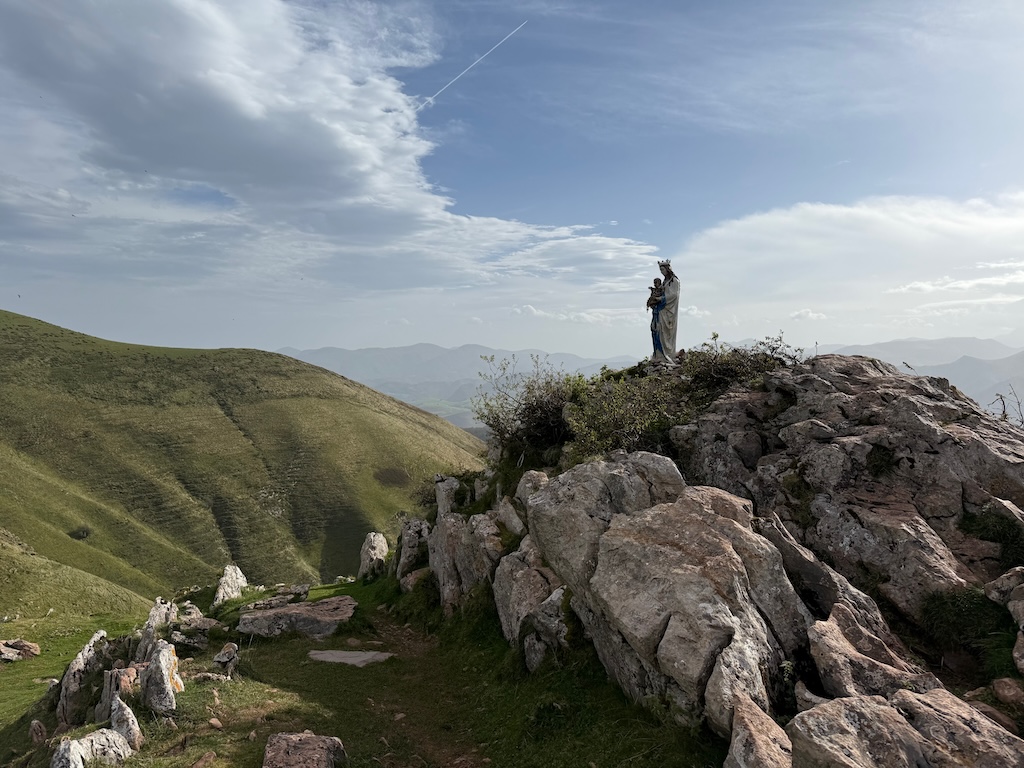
(269, 174)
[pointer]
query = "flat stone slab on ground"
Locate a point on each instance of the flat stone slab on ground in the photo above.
(303, 750)
(353, 658)
(316, 620)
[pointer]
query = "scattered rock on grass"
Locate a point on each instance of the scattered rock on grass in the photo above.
(303, 750)
(315, 620)
(352, 658)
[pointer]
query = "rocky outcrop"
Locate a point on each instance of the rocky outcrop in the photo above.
(124, 722)
(161, 614)
(521, 584)
(116, 683)
(303, 750)
(160, 680)
(463, 553)
(315, 620)
(373, 556)
(230, 585)
(412, 553)
(757, 740)
(71, 698)
(190, 632)
(105, 746)
(882, 471)
(17, 649)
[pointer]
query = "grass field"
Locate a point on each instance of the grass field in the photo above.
(153, 467)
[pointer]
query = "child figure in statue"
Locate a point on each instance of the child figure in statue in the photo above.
(657, 293)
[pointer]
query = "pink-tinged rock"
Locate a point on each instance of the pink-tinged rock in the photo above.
(757, 740)
(303, 750)
(316, 620)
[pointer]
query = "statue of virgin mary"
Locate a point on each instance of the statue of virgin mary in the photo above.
(664, 318)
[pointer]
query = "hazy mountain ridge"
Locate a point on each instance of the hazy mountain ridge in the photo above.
(440, 380)
(153, 467)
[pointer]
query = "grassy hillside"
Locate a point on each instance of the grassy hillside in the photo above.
(153, 467)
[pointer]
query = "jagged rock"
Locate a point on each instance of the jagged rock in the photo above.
(568, 515)
(506, 515)
(116, 682)
(855, 732)
(445, 489)
(757, 740)
(1018, 653)
(160, 680)
(123, 720)
(411, 579)
(373, 556)
(230, 585)
(227, 659)
(876, 468)
(529, 484)
(953, 730)
(996, 716)
(315, 620)
(161, 614)
(190, 632)
(105, 746)
(18, 649)
(37, 732)
(805, 698)
(463, 553)
(521, 584)
(303, 750)
(851, 660)
(275, 601)
(999, 590)
(71, 682)
(412, 547)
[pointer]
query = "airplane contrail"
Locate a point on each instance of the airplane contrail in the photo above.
(506, 37)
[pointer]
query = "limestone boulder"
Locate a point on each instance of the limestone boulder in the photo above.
(303, 750)
(37, 732)
(506, 516)
(412, 547)
(160, 681)
(161, 614)
(373, 556)
(544, 630)
(230, 585)
(445, 489)
(875, 468)
(116, 683)
(529, 484)
(227, 658)
(71, 698)
(570, 513)
(757, 740)
(852, 661)
(103, 746)
(411, 579)
(17, 650)
(855, 732)
(317, 620)
(463, 552)
(521, 584)
(124, 722)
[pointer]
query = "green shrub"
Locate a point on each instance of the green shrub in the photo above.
(966, 619)
(1004, 531)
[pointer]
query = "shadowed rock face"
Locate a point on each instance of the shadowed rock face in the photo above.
(316, 620)
(871, 466)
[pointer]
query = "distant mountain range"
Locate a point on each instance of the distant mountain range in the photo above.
(443, 381)
(437, 379)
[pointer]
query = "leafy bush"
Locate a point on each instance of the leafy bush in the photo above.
(966, 619)
(533, 415)
(524, 411)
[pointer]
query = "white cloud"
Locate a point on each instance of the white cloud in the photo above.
(808, 314)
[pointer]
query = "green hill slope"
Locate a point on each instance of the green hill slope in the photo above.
(153, 467)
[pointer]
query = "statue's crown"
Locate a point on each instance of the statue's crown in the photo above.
(664, 263)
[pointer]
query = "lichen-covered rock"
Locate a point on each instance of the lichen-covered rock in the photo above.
(160, 680)
(105, 746)
(123, 720)
(873, 467)
(230, 585)
(373, 556)
(855, 732)
(412, 547)
(757, 740)
(69, 700)
(116, 682)
(161, 614)
(316, 620)
(570, 513)
(303, 750)
(521, 584)
(851, 660)
(17, 650)
(464, 552)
